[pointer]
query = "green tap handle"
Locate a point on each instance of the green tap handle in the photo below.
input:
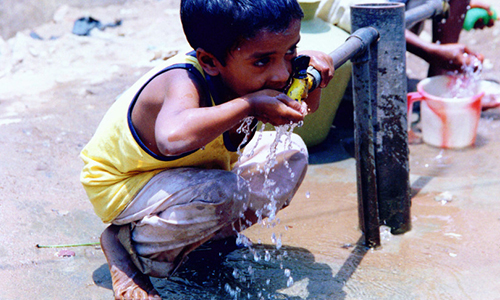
(475, 14)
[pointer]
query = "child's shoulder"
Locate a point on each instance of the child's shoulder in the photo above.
(187, 61)
(181, 60)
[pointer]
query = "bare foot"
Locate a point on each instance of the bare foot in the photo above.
(128, 282)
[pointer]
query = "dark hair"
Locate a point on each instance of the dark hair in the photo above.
(218, 26)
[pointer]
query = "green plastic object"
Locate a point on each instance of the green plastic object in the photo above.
(475, 14)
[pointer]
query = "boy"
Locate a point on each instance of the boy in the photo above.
(162, 167)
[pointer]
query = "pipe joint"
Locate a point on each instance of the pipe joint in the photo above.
(441, 7)
(366, 36)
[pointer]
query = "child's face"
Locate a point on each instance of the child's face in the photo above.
(263, 62)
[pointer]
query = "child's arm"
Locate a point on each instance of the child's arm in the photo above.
(445, 56)
(184, 123)
(324, 64)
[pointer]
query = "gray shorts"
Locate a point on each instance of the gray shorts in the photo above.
(180, 209)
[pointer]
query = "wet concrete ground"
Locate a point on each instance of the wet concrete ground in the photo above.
(452, 251)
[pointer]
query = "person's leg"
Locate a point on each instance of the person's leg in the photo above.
(128, 282)
(177, 211)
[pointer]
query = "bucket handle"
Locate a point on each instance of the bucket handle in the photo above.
(413, 97)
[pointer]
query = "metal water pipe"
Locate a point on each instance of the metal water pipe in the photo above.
(430, 9)
(357, 43)
(364, 96)
(377, 49)
(385, 114)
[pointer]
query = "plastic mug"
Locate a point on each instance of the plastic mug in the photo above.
(447, 121)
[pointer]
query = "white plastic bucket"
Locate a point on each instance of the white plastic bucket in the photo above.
(447, 121)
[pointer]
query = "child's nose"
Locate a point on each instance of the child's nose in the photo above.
(281, 74)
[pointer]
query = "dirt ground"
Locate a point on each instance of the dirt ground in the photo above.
(53, 93)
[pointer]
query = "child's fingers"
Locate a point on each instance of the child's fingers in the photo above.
(289, 101)
(324, 64)
(471, 55)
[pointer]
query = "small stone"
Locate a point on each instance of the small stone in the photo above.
(66, 253)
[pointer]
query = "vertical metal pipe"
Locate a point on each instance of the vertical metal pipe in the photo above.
(388, 111)
(364, 95)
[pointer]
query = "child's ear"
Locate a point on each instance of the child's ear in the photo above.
(208, 62)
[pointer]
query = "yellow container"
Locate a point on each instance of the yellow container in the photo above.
(316, 34)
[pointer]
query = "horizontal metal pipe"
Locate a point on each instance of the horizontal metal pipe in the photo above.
(360, 40)
(429, 9)
(356, 43)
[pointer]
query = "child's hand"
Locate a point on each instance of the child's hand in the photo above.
(276, 108)
(324, 64)
(454, 56)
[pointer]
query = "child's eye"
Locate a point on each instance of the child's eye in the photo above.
(292, 50)
(262, 62)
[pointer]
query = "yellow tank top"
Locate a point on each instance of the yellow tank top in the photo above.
(117, 164)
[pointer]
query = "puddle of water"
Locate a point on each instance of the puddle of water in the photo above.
(238, 276)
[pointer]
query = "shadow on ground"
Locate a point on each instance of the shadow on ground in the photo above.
(257, 272)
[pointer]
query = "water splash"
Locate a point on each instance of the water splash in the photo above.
(444, 197)
(267, 256)
(283, 140)
(271, 159)
(276, 241)
(385, 233)
(467, 81)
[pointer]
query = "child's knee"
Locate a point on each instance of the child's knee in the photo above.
(226, 187)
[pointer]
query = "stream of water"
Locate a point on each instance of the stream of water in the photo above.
(246, 270)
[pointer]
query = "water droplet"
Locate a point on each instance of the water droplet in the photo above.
(256, 256)
(385, 233)
(444, 197)
(308, 194)
(278, 244)
(289, 282)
